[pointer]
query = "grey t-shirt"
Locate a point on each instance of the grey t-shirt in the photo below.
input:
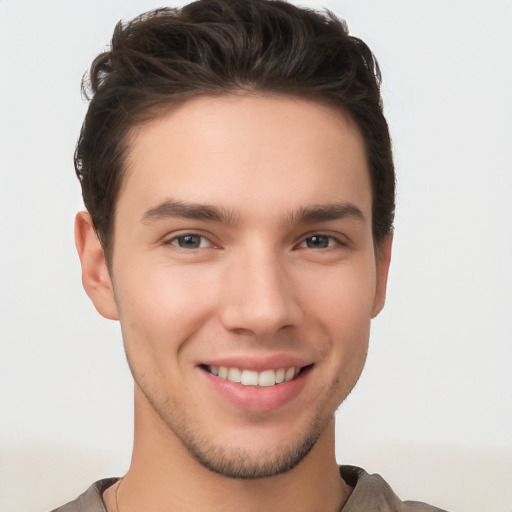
(371, 494)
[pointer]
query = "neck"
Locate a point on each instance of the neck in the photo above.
(164, 476)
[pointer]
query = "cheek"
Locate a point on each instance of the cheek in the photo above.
(341, 307)
(160, 310)
(343, 297)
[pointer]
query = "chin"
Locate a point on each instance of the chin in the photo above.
(244, 463)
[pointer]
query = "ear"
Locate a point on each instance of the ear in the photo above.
(95, 276)
(382, 261)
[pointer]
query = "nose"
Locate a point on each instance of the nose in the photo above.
(258, 296)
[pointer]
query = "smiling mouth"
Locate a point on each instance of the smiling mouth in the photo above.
(266, 378)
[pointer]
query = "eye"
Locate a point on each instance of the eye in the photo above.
(318, 241)
(190, 241)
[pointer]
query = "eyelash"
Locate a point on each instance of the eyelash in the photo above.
(332, 241)
(319, 237)
(176, 241)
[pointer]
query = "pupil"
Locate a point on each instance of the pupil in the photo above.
(317, 242)
(190, 241)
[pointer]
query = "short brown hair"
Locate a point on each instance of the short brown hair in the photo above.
(216, 47)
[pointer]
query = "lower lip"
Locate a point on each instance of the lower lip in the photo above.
(258, 398)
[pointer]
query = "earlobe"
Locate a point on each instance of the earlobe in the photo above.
(383, 260)
(95, 276)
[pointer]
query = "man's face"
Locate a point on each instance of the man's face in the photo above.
(243, 249)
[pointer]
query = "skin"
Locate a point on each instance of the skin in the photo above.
(266, 283)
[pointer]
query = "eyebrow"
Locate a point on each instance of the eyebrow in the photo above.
(326, 212)
(194, 211)
(197, 211)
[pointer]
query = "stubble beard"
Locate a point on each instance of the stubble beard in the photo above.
(238, 462)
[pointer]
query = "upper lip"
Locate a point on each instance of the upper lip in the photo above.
(258, 363)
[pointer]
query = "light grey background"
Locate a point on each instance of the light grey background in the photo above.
(433, 410)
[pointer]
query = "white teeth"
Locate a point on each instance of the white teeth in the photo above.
(290, 373)
(280, 375)
(234, 375)
(265, 378)
(249, 378)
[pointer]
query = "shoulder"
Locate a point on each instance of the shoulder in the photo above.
(91, 500)
(373, 493)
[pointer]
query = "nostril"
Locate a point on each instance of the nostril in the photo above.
(241, 331)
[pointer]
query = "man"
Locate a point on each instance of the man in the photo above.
(238, 178)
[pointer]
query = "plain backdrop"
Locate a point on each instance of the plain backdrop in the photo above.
(433, 410)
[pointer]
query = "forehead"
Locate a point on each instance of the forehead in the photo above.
(271, 152)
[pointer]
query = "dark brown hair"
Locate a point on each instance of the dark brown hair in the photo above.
(216, 47)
